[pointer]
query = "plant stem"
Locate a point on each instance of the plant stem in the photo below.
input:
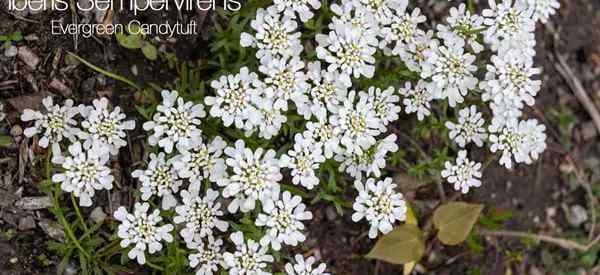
(79, 216)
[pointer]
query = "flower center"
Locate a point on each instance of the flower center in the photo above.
(285, 81)
(236, 98)
(277, 37)
(350, 55)
(179, 122)
(358, 123)
(283, 219)
(88, 171)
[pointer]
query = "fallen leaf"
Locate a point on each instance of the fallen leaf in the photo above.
(455, 220)
(403, 245)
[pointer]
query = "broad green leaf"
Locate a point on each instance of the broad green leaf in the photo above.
(129, 41)
(403, 245)
(455, 220)
(149, 51)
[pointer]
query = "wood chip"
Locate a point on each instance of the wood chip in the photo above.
(34, 203)
(28, 57)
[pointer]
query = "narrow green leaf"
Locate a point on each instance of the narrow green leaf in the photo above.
(455, 220)
(403, 245)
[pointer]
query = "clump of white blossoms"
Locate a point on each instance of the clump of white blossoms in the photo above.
(105, 126)
(202, 161)
(286, 81)
(175, 122)
(200, 214)
(248, 258)
(371, 161)
(385, 103)
(379, 204)
(275, 36)
(271, 120)
(417, 99)
(207, 256)
(255, 176)
(348, 51)
(357, 122)
(142, 230)
(451, 70)
(509, 27)
(56, 123)
(522, 141)
(303, 160)
(469, 127)
(462, 25)
(353, 13)
(464, 173)
(234, 100)
(159, 179)
(85, 171)
(543, 9)
(326, 91)
(305, 267)
(283, 219)
(302, 7)
(400, 29)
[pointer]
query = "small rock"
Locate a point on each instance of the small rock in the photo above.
(330, 213)
(31, 37)
(16, 131)
(97, 215)
(11, 51)
(34, 203)
(134, 70)
(26, 223)
(60, 87)
(13, 260)
(588, 131)
(535, 271)
(27, 56)
(577, 215)
(53, 229)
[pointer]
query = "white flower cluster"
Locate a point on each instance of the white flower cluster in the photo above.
(93, 139)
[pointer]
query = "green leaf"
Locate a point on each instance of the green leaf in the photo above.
(3, 38)
(16, 36)
(5, 140)
(403, 245)
(129, 41)
(455, 220)
(150, 51)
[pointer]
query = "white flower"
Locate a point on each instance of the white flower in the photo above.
(303, 160)
(142, 230)
(250, 258)
(57, 122)
(508, 81)
(413, 55)
(385, 104)
(381, 9)
(270, 122)
(462, 25)
(354, 14)
(275, 36)
(510, 27)
(202, 161)
(543, 9)
(326, 134)
(208, 256)
(370, 161)
(255, 176)
(348, 51)
(304, 267)
(85, 170)
(234, 100)
(283, 219)
(358, 123)
(464, 173)
(286, 81)
(160, 179)
(522, 141)
(417, 100)
(401, 29)
(302, 7)
(105, 126)
(200, 214)
(175, 122)
(2, 114)
(469, 127)
(379, 204)
(326, 91)
(451, 70)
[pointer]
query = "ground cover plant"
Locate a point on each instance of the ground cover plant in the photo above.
(299, 111)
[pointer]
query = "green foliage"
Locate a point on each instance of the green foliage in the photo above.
(494, 218)
(134, 39)
(8, 40)
(403, 245)
(455, 220)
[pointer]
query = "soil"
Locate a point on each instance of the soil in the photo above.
(535, 194)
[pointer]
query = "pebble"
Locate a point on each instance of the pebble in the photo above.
(34, 203)
(16, 131)
(577, 215)
(98, 215)
(588, 131)
(26, 223)
(27, 56)
(53, 229)
(61, 87)
(330, 213)
(11, 51)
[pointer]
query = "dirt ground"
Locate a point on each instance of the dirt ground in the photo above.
(539, 196)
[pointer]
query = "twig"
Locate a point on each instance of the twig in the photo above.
(564, 243)
(574, 83)
(18, 17)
